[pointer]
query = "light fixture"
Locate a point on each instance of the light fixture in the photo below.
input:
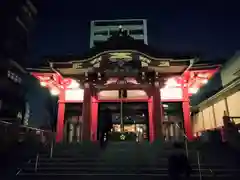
(165, 105)
(205, 81)
(54, 92)
(43, 84)
(73, 84)
(171, 82)
(193, 90)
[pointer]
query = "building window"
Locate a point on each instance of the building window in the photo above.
(118, 23)
(101, 33)
(136, 32)
(140, 41)
(14, 77)
(114, 32)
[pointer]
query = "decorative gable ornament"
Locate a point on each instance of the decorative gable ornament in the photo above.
(145, 60)
(164, 64)
(120, 56)
(96, 60)
(77, 65)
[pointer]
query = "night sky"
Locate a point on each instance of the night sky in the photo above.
(209, 29)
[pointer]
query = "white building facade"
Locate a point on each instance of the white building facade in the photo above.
(101, 30)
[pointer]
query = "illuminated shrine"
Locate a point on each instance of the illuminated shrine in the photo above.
(123, 71)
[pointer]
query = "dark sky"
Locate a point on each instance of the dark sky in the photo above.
(211, 29)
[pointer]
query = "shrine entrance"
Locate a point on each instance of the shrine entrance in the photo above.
(73, 126)
(130, 120)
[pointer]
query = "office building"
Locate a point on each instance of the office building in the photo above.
(17, 20)
(101, 30)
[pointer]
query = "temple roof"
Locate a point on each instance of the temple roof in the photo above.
(126, 42)
(119, 42)
(122, 49)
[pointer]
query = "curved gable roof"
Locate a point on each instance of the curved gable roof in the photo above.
(126, 42)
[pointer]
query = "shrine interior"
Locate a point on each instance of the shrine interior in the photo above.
(72, 122)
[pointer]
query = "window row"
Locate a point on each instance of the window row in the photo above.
(14, 77)
(130, 32)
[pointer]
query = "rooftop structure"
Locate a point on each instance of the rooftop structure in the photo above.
(101, 30)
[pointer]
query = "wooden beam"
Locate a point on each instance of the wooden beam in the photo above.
(124, 86)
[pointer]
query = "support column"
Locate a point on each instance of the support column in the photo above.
(86, 113)
(167, 132)
(186, 107)
(157, 112)
(177, 131)
(94, 124)
(150, 114)
(60, 117)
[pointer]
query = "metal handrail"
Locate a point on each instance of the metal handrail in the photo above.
(198, 154)
(36, 163)
(186, 139)
(199, 165)
(51, 149)
(24, 126)
(40, 132)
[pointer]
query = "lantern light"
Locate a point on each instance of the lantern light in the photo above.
(54, 92)
(43, 84)
(205, 81)
(193, 90)
(73, 84)
(171, 83)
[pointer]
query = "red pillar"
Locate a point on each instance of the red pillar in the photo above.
(60, 117)
(186, 108)
(86, 113)
(151, 125)
(157, 111)
(94, 123)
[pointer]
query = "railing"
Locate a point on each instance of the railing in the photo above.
(185, 139)
(198, 153)
(24, 141)
(199, 165)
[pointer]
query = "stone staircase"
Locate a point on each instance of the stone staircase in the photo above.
(118, 160)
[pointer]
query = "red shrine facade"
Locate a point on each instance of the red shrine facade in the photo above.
(120, 66)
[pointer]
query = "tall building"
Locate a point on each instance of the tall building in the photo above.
(101, 30)
(17, 19)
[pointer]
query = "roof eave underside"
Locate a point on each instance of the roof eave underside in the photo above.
(65, 59)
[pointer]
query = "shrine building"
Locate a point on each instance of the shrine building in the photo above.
(146, 90)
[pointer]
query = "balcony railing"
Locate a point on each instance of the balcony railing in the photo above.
(19, 143)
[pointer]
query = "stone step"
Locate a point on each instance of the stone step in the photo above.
(118, 160)
(109, 176)
(107, 164)
(126, 169)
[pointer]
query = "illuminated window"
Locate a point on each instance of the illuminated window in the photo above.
(74, 95)
(101, 33)
(171, 94)
(15, 78)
